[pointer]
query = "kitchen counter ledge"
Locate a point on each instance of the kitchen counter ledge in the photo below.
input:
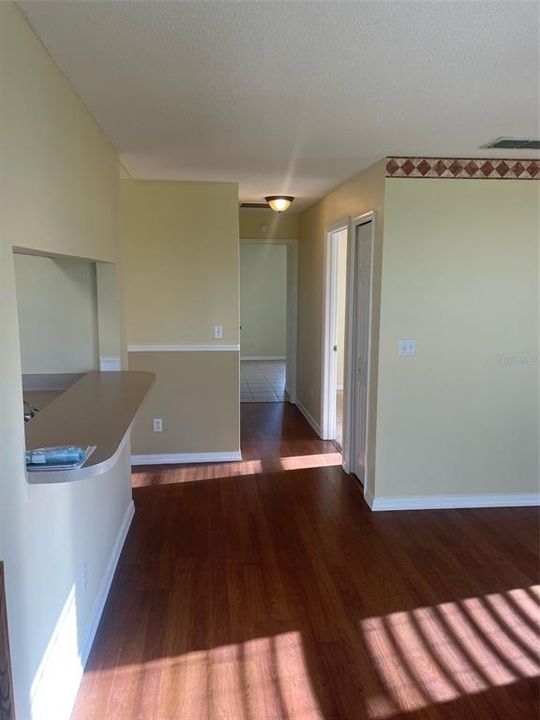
(99, 409)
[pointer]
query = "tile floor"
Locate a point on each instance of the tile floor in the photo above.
(262, 380)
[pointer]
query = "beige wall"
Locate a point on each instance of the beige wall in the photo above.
(459, 270)
(263, 299)
(58, 194)
(57, 310)
(181, 277)
(180, 243)
(460, 274)
(281, 226)
(361, 194)
(196, 395)
(52, 173)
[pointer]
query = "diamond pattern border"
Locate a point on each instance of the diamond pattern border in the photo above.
(462, 168)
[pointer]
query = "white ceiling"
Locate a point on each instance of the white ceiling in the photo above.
(296, 97)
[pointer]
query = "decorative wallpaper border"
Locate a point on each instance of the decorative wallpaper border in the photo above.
(462, 168)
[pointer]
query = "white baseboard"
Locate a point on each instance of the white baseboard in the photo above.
(59, 675)
(183, 458)
(263, 357)
(309, 417)
(441, 502)
(214, 347)
(106, 583)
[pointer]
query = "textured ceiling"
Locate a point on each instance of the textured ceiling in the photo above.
(295, 97)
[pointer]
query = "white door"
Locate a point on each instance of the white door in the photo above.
(362, 315)
(333, 357)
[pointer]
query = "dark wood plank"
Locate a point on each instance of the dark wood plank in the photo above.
(267, 589)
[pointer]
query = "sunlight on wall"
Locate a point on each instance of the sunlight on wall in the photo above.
(61, 668)
(437, 654)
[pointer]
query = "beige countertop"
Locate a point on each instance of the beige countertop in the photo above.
(41, 398)
(99, 410)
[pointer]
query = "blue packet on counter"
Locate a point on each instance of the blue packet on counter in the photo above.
(63, 457)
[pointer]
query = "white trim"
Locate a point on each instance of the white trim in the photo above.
(441, 502)
(329, 333)
(263, 357)
(182, 458)
(329, 314)
(341, 224)
(369, 498)
(309, 417)
(110, 364)
(184, 348)
(59, 675)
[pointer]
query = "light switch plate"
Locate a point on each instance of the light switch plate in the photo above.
(407, 347)
(218, 332)
(158, 425)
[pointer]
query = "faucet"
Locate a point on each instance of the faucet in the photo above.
(29, 410)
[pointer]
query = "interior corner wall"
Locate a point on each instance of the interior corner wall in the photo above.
(460, 274)
(58, 195)
(181, 278)
(269, 225)
(360, 194)
(57, 311)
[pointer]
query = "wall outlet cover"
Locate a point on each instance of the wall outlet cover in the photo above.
(407, 347)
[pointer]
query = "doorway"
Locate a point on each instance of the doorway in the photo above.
(347, 327)
(360, 277)
(334, 332)
(268, 271)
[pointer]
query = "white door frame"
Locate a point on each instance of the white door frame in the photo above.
(348, 448)
(329, 314)
(292, 306)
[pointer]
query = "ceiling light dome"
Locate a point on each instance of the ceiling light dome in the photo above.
(279, 203)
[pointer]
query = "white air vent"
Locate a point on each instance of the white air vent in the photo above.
(506, 143)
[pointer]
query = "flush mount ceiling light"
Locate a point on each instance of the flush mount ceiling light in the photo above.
(279, 203)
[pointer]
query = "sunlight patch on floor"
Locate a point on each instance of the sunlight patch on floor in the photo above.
(437, 654)
(301, 462)
(262, 677)
(213, 471)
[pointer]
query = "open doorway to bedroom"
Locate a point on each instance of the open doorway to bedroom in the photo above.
(267, 321)
(334, 332)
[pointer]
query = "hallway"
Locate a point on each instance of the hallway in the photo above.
(267, 589)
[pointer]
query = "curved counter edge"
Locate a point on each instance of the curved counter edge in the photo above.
(99, 410)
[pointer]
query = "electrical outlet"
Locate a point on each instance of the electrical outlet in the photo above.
(218, 332)
(407, 347)
(84, 575)
(158, 424)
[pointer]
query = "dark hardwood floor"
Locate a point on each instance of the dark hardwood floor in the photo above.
(268, 589)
